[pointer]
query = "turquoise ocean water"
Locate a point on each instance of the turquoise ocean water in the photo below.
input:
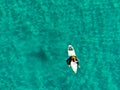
(35, 34)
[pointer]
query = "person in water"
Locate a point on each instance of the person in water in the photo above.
(74, 59)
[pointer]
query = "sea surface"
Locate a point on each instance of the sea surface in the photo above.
(35, 34)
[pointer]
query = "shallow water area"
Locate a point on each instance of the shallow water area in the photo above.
(35, 34)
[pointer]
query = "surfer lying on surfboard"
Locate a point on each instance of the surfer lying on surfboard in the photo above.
(74, 59)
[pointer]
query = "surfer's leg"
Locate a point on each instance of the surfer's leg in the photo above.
(68, 62)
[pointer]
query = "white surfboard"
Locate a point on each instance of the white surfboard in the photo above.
(71, 52)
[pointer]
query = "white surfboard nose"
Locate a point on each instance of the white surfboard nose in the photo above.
(71, 51)
(69, 45)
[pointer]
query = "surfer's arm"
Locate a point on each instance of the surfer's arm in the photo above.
(78, 64)
(68, 61)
